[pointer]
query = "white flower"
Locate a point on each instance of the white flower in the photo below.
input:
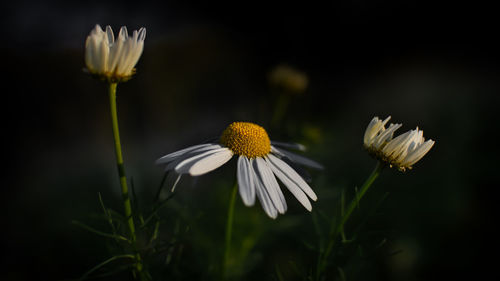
(259, 161)
(403, 151)
(113, 60)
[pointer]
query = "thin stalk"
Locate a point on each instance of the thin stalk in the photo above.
(229, 230)
(121, 174)
(119, 162)
(103, 264)
(345, 216)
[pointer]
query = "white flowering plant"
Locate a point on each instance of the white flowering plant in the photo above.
(266, 171)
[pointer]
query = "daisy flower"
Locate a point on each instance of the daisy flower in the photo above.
(402, 151)
(260, 162)
(113, 60)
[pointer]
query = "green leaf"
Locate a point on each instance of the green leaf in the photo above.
(107, 214)
(155, 233)
(84, 276)
(86, 227)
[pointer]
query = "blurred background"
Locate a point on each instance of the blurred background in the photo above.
(427, 64)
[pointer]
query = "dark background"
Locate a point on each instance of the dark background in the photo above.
(429, 64)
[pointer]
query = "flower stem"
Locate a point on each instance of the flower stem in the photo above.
(339, 228)
(229, 230)
(121, 174)
(119, 162)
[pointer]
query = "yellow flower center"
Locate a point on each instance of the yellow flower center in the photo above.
(247, 139)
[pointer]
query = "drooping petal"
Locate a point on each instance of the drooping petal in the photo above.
(266, 176)
(264, 199)
(184, 166)
(173, 179)
(290, 184)
(173, 164)
(290, 173)
(296, 146)
(297, 158)
(172, 156)
(211, 162)
(246, 175)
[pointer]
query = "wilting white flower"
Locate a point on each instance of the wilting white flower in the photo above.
(113, 60)
(260, 161)
(403, 151)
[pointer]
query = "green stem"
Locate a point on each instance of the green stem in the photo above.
(119, 162)
(121, 174)
(345, 216)
(229, 230)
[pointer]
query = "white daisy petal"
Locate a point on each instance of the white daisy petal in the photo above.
(396, 143)
(124, 32)
(103, 56)
(173, 178)
(402, 151)
(264, 173)
(257, 168)
(184, 166)
(296, 146)
(297, 158)
(373, 128)
(115, 54)
(292, 175)
(264, 199)
(418, 153)
(172, 164)
(211, 162)
(109, 35)
(176, 182)
(142, 34)
(290, 184)
(172, 156)
(246, 183)
(385, 136)
(112, 59)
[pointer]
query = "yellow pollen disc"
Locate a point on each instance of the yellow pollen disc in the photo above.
(247, 139)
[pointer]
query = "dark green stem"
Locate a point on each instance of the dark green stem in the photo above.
(338, 229)
(229, 230)
(121, 174)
